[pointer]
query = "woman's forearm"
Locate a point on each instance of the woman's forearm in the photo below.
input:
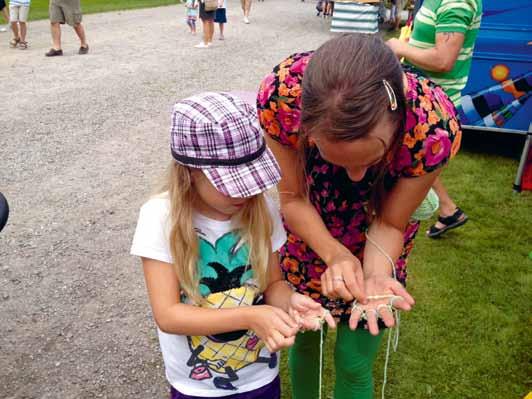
(383, 240)
(278, 294)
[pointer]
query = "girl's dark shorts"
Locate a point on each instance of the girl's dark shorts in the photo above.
(205, 15)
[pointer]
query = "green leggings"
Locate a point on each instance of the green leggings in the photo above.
(354, 355)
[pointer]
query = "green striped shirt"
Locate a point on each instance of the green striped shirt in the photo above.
(439, 16)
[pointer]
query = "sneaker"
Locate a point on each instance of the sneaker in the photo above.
(246, 20)
(54, 53)
(83, 50)
(3, 28)
(202, 45)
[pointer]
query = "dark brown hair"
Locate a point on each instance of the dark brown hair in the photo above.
(344, 96)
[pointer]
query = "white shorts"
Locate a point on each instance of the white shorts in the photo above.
(18, 13)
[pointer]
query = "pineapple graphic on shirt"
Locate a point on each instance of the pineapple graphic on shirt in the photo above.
(226, 282)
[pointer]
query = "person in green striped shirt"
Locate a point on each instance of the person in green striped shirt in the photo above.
(442, 45)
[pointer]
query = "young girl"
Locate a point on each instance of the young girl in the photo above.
(208, 243)
(192, 14)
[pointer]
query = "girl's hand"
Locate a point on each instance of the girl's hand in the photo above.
(308, 313)
(344, 278)
(273, 326)
(382, 291)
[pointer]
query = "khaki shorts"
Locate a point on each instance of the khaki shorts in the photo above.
(65, 11)
(18, 13)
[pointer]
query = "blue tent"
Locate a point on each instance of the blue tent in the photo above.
(498, 93)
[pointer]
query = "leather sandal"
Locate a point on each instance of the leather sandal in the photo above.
(457, 219)
(13, 43)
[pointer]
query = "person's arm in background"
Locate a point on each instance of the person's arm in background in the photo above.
(451, 26)
(303, 219)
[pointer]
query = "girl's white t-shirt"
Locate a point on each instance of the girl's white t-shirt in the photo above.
(223, 364)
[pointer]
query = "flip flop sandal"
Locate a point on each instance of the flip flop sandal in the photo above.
(457, 219)
(23, 45)
(14, 42)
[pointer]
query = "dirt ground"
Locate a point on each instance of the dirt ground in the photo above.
(82, 139)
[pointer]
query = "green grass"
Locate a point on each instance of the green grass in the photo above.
(39, 8)
(469, 334)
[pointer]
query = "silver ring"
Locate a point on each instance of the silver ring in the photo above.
(338, 278)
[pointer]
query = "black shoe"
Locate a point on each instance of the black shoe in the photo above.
(54, 53)
(83, 50)
(457, 219)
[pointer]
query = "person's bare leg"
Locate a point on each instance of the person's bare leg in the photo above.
(221, 31)
(81, 34)
(14, 29)
(447, 205)
(56, 35)
(211, 31)
(205, 31)
(23, 29)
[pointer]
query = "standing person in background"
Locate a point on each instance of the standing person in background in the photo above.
(192, 14)
(3, 11)
(246, 8)
(220, 18)
(19, 10)
(356, 16)
(207, 19)
(395, 14)
(442, 45)
(69, 12)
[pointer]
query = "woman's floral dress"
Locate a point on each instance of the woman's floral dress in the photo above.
(432, 136)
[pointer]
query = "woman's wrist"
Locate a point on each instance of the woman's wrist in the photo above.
(333, 250)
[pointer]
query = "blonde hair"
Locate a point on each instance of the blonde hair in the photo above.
(254, 224)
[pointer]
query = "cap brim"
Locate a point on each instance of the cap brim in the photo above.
(246, 180)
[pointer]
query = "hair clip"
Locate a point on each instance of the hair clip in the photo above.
(391, 94)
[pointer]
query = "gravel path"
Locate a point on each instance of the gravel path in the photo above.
(81, 140)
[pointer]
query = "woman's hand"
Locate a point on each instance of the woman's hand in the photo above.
(384, 292)
(308, 313)
(273, 326)
(344, 278)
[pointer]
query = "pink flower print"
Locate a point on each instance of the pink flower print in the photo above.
(291, 81)
(290, 119)
(447, 106)
(300, 65)
(330, 207)
(410, 120)
(403, 159)
(437, 147)
(421, 115)
(336, 231)
(411, 93)
(266, 89)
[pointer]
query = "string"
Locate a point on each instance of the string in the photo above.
(395, 313)
(390, 343)
(321, 361)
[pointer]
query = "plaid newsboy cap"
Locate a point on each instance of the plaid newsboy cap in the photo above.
(220, 134)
